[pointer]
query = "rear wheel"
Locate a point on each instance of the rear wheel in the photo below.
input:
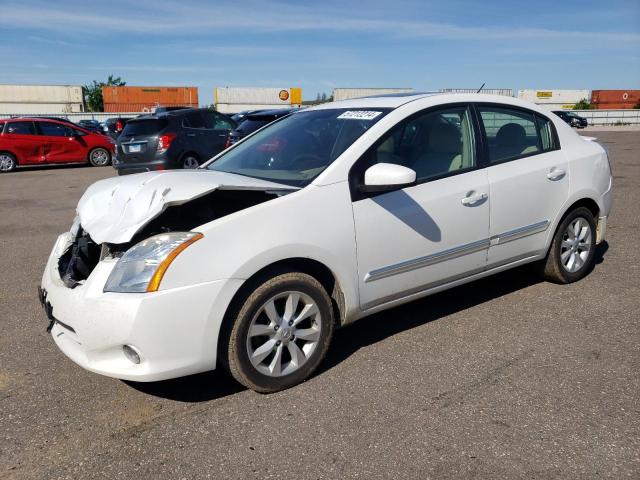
(99, 157)
(7, 162)
(571, 254)
(281, 333)
(190, 161)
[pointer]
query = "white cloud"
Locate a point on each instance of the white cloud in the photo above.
(144, 17)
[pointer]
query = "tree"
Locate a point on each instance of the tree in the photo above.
(323, 97)
(583, 105)
(637, 106)
(93, 92)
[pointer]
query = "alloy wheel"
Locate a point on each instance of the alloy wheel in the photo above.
(6, 163)
(576, 245)
(99, 157)
(190, 162)
(283, 334)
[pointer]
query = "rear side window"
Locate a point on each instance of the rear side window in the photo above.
(20, 128)
(511, 133)
(149, 126)
(545, 131)
(193, 120)
(54, 129)
(216, 121)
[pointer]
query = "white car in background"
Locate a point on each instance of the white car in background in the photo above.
(313, 222)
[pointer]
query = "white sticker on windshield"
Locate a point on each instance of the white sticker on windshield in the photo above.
(359, 115)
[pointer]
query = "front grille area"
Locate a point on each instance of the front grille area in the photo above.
(78, 261)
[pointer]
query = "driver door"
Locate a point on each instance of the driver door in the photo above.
(431, 233)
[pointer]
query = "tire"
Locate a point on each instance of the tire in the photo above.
(8, 162)
(281, 352)
(99, 157)
(570, 259)
(190, 161)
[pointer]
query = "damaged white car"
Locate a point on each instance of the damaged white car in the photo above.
(321, 218)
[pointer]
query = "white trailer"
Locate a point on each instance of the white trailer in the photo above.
(555, 99)
(237, 99)
(347, 93)
(43, 99)
(505, 92)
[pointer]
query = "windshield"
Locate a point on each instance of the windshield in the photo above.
(295, 149)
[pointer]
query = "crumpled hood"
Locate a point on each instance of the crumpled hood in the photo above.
(114, 209)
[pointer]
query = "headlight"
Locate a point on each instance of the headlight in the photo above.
(142, 267)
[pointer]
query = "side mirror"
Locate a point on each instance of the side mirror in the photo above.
(384, 177)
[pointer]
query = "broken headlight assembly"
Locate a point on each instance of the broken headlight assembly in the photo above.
(142, 267)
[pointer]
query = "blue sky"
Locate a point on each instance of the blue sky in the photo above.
(320, 45)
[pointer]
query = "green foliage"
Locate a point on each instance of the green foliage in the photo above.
(93, 92)
(637, 106)
(583, 105)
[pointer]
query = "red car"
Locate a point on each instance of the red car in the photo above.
(38, 141)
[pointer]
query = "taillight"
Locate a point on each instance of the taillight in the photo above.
(165, 141)
(228, 143)
(118, 125)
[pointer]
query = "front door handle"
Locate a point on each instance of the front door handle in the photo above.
(556, 174)
(472, 199)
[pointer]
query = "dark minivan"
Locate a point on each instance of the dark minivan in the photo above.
(572, 119)
(175, 139)
(254, 120)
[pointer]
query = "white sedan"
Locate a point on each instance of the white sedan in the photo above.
(317, 220)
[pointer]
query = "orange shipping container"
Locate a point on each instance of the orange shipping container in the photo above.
(615, 99)
(143, 99)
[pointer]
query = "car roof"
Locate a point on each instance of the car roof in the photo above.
(397, 100)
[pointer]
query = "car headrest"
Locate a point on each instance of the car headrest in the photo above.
(444, 138)
(511, 134)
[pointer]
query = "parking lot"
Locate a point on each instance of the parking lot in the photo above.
(507, 377)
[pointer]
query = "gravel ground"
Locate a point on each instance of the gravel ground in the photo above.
(507, 377)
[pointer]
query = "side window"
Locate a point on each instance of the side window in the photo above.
(434, 144)
(21, 128)
(545, 131)
(193, 120)
(511, 133)
(54, 129)
(217, 122)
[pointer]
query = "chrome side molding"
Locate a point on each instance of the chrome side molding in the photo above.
(520, 232)
(414, 264)
(425, 261)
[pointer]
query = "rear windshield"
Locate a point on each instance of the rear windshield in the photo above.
(251, 125)
(149, 126)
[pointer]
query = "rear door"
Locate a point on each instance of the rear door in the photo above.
(24, 142)
(528, 178)
(60, 144)
(217, 129)
(196, 138)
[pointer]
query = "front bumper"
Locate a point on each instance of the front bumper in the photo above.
(175, 331)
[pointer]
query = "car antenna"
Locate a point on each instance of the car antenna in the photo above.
(480, 88)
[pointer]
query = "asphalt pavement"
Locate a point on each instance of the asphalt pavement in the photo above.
(507, 377)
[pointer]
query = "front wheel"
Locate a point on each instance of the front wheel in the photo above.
(99, 157)
(571, 254)
(281, 333)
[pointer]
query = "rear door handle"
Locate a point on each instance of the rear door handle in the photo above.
(191, 134)
(471, 200)
(556, 174)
